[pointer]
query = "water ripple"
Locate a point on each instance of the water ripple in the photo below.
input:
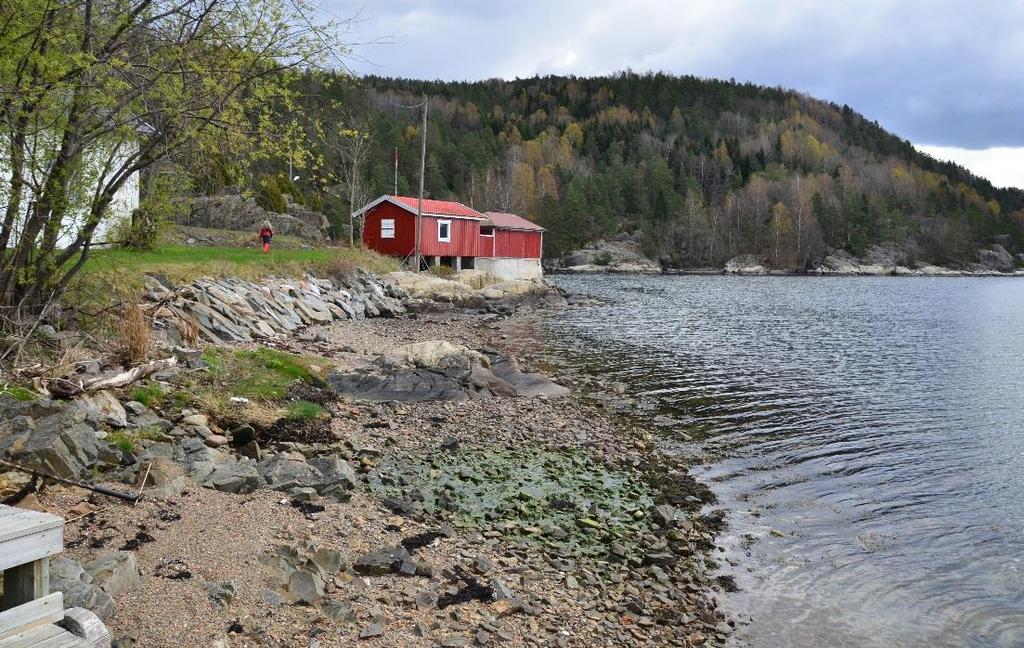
(872, 431)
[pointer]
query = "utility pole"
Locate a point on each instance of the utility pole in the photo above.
(423, 168)
(396, 172)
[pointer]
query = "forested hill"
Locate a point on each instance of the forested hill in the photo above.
(702, 169)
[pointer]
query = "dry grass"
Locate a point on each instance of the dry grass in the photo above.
(133, 345)
(189, 329)
(339, 269)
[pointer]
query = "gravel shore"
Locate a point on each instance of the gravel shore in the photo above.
(527, 521)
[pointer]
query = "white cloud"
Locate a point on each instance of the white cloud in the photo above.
(1003, 165)
(946, 72)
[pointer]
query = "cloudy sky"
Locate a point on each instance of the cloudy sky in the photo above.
(946, 74)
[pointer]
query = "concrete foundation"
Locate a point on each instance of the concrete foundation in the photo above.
(511, 268)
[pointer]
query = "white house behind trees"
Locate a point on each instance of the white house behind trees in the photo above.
(94, 171)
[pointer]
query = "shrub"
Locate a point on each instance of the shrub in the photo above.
(443, 271)
(122, 440)
(603, 259)
(149, 395)
(340, 270)
(270, 196)
(135, 333)
(302, 410)
(18, 393)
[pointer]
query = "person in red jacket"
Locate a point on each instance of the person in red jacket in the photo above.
(266, 234)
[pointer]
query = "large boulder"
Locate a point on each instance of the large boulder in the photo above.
(61, 443)
(239, 475)
(335, 471)
(114, 573)
(442, 372)
(745, 264)
(438, 355)
(69, 577)
(284, 471)
(623, 253)
(996, 257)
(104, 408)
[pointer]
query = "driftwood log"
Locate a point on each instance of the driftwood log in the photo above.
(68, 387)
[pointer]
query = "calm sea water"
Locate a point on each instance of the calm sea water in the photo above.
(871, 435)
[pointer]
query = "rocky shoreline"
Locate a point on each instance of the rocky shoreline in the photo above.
(449, 494)
(626, 257)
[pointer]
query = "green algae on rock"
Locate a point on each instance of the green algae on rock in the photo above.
(562, 499)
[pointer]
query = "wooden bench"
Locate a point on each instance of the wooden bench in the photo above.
(30, 616)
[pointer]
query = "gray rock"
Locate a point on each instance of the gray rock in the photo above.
(335, 471)
(372, 630)
(380, 562)
(484, 564)
(44, 448)
(237, 476)
(285, 472)
(115, 573)
(500, 590)
(90, 597)
(996, 257)
(664, 514)
(104, 408)
(337, 612)
(220, 592)
(142, 417)
(305, 587)
(198, 460)
(745, 264)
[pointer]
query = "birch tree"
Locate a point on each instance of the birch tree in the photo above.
(354, 148)
(93, 91)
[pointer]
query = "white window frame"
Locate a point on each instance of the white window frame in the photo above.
(387, 228)
(491, 235)
(446, 239)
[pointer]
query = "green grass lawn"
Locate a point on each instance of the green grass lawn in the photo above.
(178, 259)
(194, 261)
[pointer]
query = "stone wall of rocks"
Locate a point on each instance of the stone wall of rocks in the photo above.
(234, 310)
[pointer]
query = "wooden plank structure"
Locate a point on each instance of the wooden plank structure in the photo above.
(30, 616)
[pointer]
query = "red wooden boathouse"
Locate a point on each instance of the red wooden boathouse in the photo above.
(455, 235)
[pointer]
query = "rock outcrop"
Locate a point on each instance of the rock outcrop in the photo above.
(888, 260)
(745, 264)
(442, 371)
(234, 310)
(623, 253)
(997, 258)
(234, 212)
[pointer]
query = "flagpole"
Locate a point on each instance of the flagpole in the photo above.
(423, 167)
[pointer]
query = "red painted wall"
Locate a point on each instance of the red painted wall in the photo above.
(517, 244)
(465, 234)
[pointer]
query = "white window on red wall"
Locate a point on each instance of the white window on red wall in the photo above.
(387, 228)
(444, 231)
